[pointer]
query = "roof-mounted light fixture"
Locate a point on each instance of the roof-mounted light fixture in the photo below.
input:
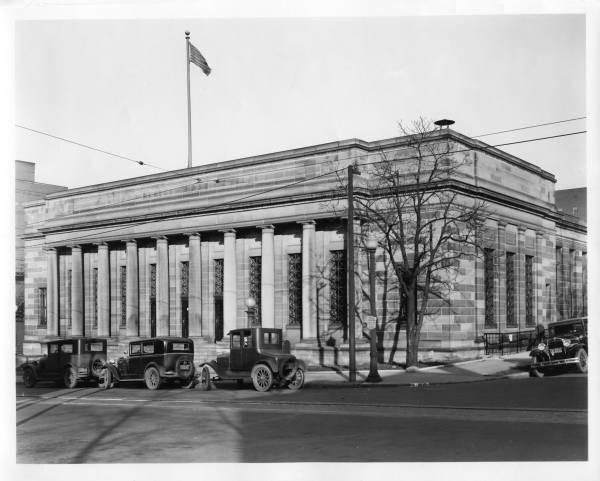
(444, 123)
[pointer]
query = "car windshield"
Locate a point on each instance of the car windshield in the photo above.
(575, 328)
(271, 340)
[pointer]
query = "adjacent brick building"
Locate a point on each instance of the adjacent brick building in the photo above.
(180, 252)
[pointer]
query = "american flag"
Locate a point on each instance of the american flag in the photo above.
(197, 58)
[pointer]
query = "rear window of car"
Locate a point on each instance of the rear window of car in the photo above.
(148, 348)
(180, 347)
(135, 348)
(66, 348)
(52, 348)
(94, 347)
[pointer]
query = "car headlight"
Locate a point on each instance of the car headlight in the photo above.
(541, 346)
(566, 342)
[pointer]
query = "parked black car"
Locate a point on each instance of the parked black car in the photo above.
(565, 345)
(67, 361)
(256, 353)
(153, 361)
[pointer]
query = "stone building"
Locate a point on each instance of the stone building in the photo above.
(180, 253)
(26, 190)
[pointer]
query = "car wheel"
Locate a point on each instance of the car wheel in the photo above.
(29, 378)
(262, 377)
(582, 365)
(152, 378)
(70, 378)
(204, 381)
(297, 381)
(105, 379)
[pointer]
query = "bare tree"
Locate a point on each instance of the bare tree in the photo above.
(416, 204)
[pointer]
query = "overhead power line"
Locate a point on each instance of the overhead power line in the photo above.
(139, 162)
(529, 127)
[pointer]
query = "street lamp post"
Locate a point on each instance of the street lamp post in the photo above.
(373, 376)
(250, 305)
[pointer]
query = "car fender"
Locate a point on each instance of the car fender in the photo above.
(574, 348)
(113, 370)
(161, 369)
(33, 368)
(271, 363)
(538, 354)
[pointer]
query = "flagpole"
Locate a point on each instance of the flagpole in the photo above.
(187, 51)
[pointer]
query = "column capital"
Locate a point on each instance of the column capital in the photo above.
(193, 234)
(306, 222)
(75, 246)
(539, 234)
(227, 231)
(521, 228)
(101, 244)
(266, 227)
(501, 225)
(50, 249)
(160, 238)
(130, 241)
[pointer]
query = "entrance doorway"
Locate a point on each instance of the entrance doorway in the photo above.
(185, 326)
(218, 318)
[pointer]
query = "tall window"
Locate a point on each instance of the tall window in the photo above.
(43, 307)
(69, 280)
(337, 285)
(511, 320)
(529, 319)
(488, 283)
(218, 263)
(295, 289)
(560, 277)
(185, 282)
(255, 284)
(95, 297)
(123, 285)
(152, 300)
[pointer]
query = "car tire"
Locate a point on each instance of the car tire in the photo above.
(70, 378)
(297, 381)
(105, 379)
(29, 377)
(152, 378)
(262, 377)
(204, 380)
(582, 365)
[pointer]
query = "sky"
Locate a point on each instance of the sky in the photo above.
(283, 83)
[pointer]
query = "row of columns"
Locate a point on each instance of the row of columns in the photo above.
(230, 273)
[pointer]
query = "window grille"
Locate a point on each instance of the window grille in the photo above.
(255, 284)
(123, 286)
(511, 320)
(488, 280)
(218, 277)
(295, 289)
(529, 320)
(152, 281)
(95, 297)
(185, 278)
(43, 307)
(337, 286)
(69, 280)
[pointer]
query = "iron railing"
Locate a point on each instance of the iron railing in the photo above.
(507, 342)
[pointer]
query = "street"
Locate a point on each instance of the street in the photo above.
(494, 420)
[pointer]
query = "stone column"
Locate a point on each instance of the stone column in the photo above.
(103, 291)
(162, 286)
(132, 306)
(267, 295)
(77, 327)
(52, 293)
(501, 273)
(309, 281)
(195, 286)
(229, 282)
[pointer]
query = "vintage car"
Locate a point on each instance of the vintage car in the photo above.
(566, 345)
(153, 361)
(67, 361)
(256, 353)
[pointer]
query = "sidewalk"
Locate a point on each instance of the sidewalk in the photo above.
(496, 367)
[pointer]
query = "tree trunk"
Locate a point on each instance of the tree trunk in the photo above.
(412, 329)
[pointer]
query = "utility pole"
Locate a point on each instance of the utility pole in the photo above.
(350, 270)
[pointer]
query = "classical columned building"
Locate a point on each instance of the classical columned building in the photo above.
(180, 253)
